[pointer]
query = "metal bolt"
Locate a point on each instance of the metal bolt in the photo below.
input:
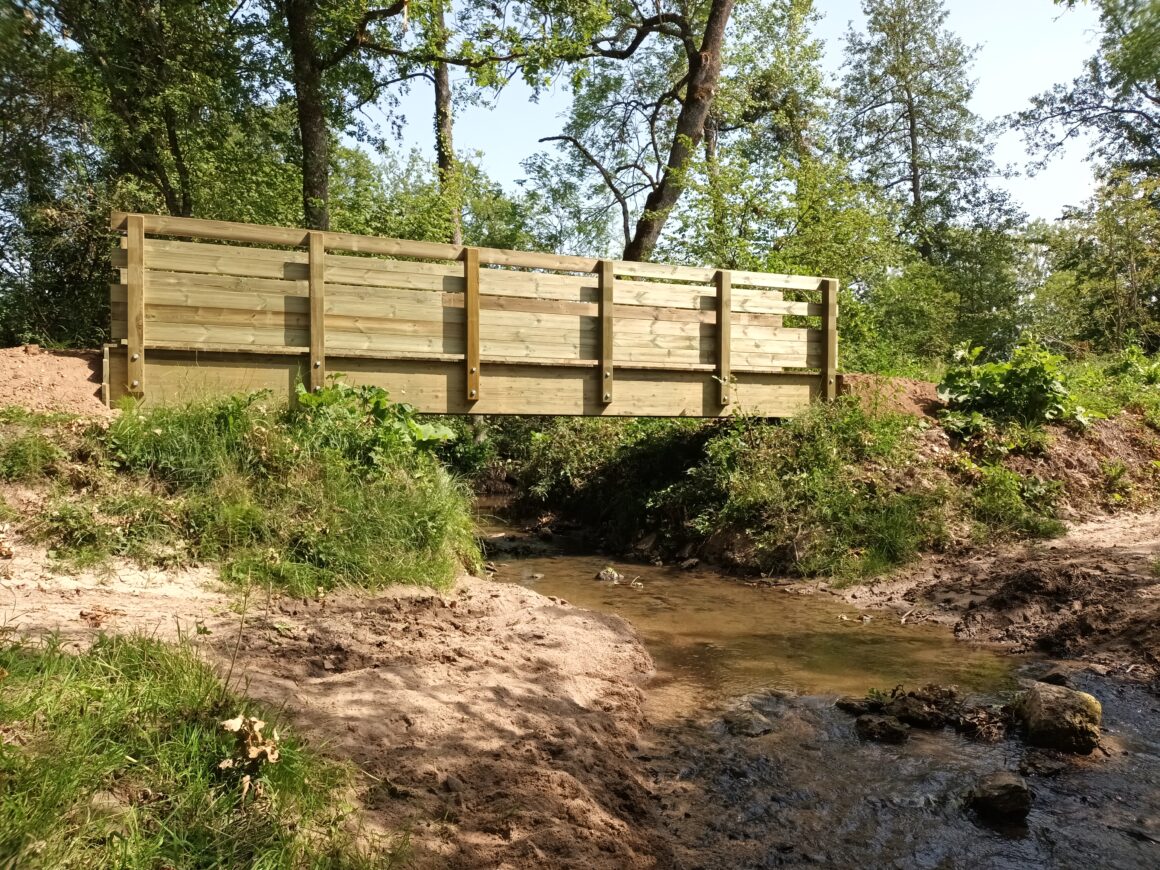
(135, 357)
(830, 381)
(471, 394)
(317, 364)
(608, 397)
(473, 369)
(135, 384)
(724, 400)
(607, 375)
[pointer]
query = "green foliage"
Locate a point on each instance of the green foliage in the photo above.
(27, 456)
(113, 759)
(1029, 388)
(809, 496)
(813, 495)
(1007, 502)
(343, 488)
(607, 471)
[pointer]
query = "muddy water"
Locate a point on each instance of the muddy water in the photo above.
(810, 792)
(714, 638)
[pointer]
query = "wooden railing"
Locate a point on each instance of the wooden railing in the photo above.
(455, 329)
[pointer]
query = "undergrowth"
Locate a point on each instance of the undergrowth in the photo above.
(114, 758)
(841, 491)
(342, 487)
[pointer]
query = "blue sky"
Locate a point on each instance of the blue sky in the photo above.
(1025, 46)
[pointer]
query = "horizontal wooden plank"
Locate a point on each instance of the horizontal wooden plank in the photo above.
(436, 386)
(163, 225)
(295, 237)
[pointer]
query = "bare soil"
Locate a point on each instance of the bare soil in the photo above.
(897, 395)
(1093, 595)
(52, 381)
(496, 725)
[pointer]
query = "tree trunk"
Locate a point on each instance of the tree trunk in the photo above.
(916, 200)
(704, 73)
(444, 128)
(307, 76)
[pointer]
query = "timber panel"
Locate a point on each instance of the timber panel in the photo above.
(533, 333)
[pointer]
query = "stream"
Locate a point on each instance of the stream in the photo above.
(810, 792)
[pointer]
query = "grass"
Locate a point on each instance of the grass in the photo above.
(113, 758)
(343, 488)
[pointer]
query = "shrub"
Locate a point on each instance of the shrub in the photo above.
(1008, 502)
(1028, 389)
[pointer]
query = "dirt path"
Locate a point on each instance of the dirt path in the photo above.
(497, 726)
(1092, 595)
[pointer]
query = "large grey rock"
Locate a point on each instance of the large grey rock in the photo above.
(1002, 796)
(1060, 718)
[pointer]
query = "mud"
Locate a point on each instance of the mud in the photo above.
(1092, 596)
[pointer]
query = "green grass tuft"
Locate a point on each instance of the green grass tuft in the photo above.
(111, 758)
(342, 489)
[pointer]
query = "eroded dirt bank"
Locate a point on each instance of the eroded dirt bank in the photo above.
(496, 725)
(1092, 595)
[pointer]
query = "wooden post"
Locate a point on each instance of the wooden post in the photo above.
(829, 374)
(471, 319)
(135, 309)
(317, 246)
(607, 282)
(724, 332)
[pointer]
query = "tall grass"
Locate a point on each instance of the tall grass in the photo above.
(112, 758)
(342, 488)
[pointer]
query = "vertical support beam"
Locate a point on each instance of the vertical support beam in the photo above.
(471, 319)
(135, 309)
(607, 282)
(829, 372)
(317, 311)
(724, 332)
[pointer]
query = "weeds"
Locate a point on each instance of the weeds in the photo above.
(343, 488)
(114, 758)
(1009, 503)
(28, 457)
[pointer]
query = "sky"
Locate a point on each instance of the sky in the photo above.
(1025, 46)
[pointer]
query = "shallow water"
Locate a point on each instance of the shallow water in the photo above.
(810, 792)
(714, 638)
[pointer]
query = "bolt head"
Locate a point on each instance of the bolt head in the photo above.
(472, 394)
(473, 369)
(135, 384)
(608, 397)
(135, 357)
(317, 364)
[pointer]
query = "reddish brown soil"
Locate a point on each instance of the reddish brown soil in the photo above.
(1112, 464)
(52, 381)
(900, 395)
(1092, 595)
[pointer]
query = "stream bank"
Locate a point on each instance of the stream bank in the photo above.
(751, 764)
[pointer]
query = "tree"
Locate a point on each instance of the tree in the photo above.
(1116, 99)
(1105, 258)
(171, 79)
(642, 104)
(340, 55)
(904, 116)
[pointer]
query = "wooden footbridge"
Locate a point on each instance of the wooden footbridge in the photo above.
(209, 307)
